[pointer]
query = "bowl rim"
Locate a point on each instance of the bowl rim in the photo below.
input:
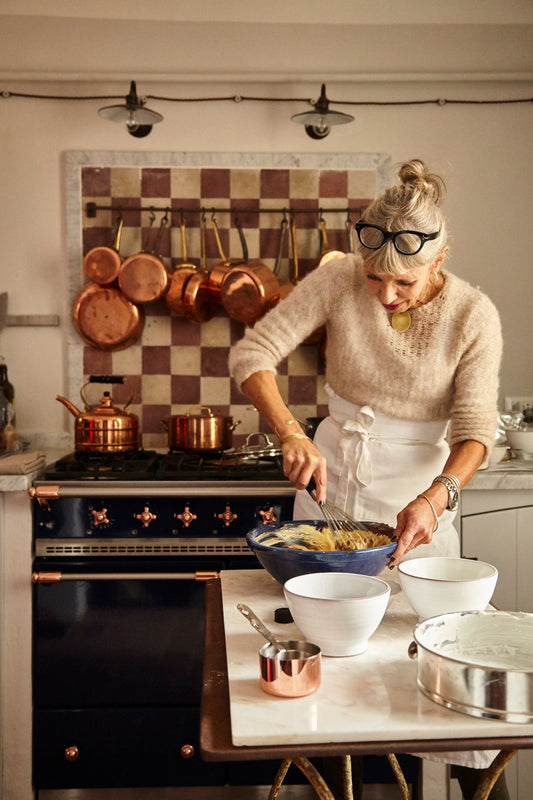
(403, 570)
(386, 590)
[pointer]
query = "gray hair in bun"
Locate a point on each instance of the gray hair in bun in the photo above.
(413, 204)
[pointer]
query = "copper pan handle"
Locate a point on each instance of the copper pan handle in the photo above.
(295, 276)
(217, 237)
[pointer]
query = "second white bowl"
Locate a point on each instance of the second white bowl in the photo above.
(339, 611)
(440, 585)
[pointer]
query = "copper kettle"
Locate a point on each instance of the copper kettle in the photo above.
(103, 428)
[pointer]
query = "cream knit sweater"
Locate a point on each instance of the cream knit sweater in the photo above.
(444, 367)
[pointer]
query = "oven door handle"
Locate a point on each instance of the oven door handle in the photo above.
(57, 577)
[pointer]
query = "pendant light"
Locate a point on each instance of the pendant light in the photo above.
(318, 122)
(138, 119)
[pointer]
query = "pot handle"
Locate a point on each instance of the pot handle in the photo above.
(233, 425)
(201, 409)
(412, 650)
(217, 237)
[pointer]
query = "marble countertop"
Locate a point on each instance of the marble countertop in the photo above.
(369, 697)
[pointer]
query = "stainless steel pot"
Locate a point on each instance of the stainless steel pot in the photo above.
(201, 432)
(103, 428)
(477, 662)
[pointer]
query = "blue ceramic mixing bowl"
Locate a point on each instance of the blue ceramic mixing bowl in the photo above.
(284, 563)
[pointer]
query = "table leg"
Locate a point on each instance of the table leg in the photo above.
(311, 773)
(493, 773)
(398, 774)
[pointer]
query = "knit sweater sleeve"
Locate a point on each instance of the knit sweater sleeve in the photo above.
(289, 323)
(475, 394)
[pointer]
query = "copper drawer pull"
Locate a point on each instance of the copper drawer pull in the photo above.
(72, 753)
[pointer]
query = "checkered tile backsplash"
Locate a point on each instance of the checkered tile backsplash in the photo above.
(179, 365)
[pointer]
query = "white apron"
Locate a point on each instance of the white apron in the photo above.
(375, 466)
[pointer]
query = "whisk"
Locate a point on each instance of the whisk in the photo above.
(338, 521)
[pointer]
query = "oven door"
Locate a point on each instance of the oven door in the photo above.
(118, 651)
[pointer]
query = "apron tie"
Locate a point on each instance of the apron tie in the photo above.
(354, 463)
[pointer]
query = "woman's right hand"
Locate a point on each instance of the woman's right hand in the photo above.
(301, 462)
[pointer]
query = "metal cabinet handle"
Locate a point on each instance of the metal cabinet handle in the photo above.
(187, 751)
(57, 577)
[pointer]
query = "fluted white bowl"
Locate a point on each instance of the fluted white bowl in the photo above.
(338, 611)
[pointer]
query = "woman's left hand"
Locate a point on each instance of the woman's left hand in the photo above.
(414, 526)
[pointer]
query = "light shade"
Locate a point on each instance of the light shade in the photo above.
(318, 122)
(138, 119)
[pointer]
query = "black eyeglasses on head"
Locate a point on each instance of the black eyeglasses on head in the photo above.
(408, 243)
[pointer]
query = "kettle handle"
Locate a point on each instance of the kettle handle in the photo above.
(106, 379)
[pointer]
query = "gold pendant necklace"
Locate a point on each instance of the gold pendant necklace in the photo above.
(401, 321)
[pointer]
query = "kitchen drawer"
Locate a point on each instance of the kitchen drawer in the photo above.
(120, 747)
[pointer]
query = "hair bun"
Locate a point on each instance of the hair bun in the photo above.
(414, 175)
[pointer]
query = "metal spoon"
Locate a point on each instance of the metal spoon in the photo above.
(260, 627)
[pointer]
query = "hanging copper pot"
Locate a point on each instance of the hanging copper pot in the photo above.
(102, 264)
(178, 281)
(143, 278)
(250, 289)
(103, 428)
(327, 253)
(105, 319)
(198, 304)
(218, 273)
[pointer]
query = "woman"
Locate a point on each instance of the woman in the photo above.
(412, 361)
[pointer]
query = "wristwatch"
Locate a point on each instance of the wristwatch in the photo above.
(453, 487)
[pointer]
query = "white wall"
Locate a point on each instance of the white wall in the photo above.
(483, 151)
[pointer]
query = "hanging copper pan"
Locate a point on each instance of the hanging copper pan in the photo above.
(102, 264)
(218, 273)
(327, 253)
(285, 284)
(143, 278)
(178, 280)
(198, 304)
(250, 289)
(318, 336)
(105, 319)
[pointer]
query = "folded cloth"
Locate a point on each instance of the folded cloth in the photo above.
(22, 463)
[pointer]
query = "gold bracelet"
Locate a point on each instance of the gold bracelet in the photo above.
(434, 511)
(288, 422)
(294, 436)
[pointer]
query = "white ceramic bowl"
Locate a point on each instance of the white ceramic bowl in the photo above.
(521, 440)
(338, 611)
(441, 585)
(496, 454)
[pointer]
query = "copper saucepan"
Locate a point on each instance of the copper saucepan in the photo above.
(198, 305)
(102, 264)
(105, 319)
(143, 278)
(203, 432)
(178, 280)
(250, 289)
(218, 273)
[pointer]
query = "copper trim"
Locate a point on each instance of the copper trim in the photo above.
(42, 492)
(72, 753)
(46, 577)
(206, 576)
(187, 751)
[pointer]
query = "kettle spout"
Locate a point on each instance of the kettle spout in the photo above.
(71, 407)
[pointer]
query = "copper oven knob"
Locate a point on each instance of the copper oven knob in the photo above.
(228, 516)
(72, 753)
(268, 516)
(99, 517)
(186, 516)
(146, 517)
(187, 751)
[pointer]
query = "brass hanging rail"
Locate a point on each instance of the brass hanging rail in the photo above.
(91, 209)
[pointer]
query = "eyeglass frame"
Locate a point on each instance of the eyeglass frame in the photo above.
(424, 237)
